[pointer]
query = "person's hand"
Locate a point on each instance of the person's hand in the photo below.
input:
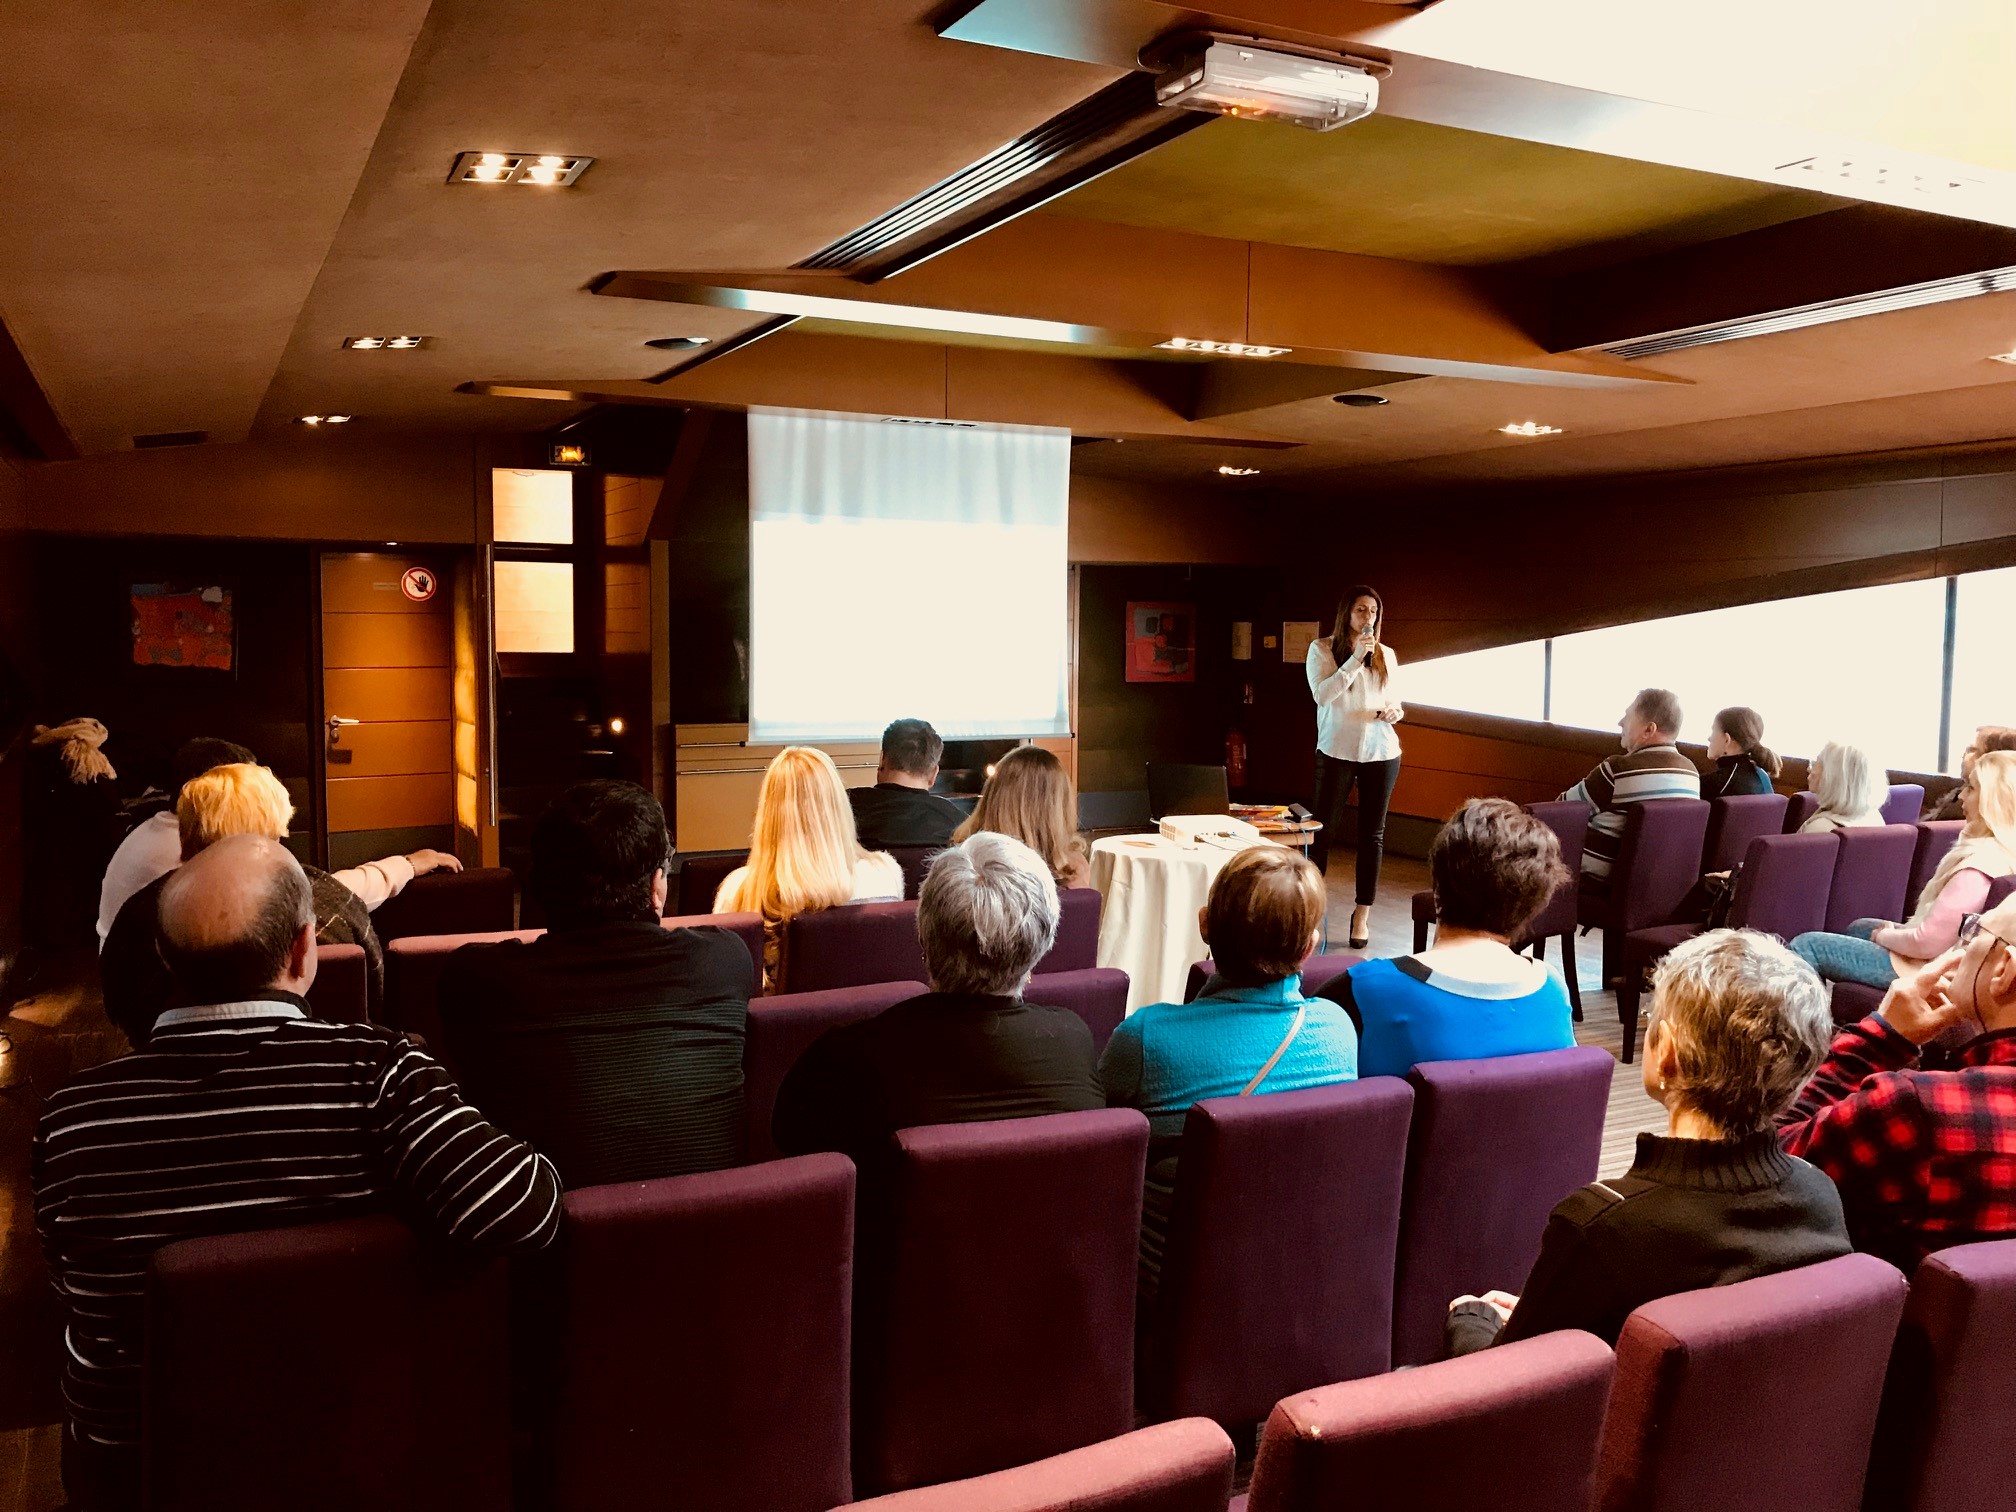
(1365, 642)
(1393, 713)
(425, 861)
(1919, 1006)
(1499, 1302)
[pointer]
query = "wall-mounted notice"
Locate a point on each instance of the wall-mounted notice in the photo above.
(1242, 640)
(1295, 638)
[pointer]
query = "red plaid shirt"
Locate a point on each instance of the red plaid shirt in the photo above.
(1924, 1159)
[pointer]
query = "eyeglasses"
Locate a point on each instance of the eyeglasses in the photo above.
(1971, 925)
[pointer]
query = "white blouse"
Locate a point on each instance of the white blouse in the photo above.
(1348, 701)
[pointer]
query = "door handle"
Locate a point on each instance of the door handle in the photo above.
(336, 723)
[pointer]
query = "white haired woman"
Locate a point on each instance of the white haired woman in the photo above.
(1851, 789)
(1738, 1025)
(969, 1050)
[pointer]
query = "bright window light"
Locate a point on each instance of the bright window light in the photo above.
(535, 607)
(1509, 681)
(1984, 687)
(532, 505)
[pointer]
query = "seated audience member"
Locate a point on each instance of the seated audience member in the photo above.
(612, 1044)
(1249, 1031)
(242, 799)
(1877, 952)
(243, 1113)
(1924, 1159)
(1987, 738)
(1738, 1024)
(1744, 765)
(1851, 789)
(969, 1050)
(803, 855)
(1494, 866)
(901, 809)
(1651, 767)
(154, 847)
(1029, 797)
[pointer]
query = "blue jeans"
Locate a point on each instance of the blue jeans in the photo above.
(1850, 957)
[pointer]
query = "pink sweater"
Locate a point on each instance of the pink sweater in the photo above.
(1965, 892)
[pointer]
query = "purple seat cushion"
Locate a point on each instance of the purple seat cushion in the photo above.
(1495, 1144)
(1872, 871)
(782, 1028)
(336, 1365)
(1513, 1429)
(1935, 838)
(1244, 1235)
(1798, 809)
(1185, 1466)
(465, 902)
(341, 991)
(996, 1317)
(1804, 1351)
(702, 1339)
(1098, 996)
(1317, 973)
(1785, 885)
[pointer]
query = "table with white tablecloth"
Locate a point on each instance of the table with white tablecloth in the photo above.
(1153, 889)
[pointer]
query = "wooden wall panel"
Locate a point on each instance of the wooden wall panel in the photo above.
(387, 640)
(396, 749)
(386, 693)
(368, 803)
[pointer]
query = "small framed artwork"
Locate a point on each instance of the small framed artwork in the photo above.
(182, 625)
(1161, 643)
(1296, 637)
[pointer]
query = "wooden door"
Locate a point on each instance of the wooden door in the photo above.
(388, 669)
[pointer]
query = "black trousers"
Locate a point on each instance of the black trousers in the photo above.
(1374, 780)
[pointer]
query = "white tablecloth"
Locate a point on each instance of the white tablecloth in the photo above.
(1148, 924)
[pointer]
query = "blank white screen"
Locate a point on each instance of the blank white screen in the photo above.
(905, 570)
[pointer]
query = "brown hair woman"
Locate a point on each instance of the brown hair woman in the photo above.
(1352, 673)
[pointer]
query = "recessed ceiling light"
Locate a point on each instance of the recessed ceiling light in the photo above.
(552, 170)
(325, 420)
(1359, 401)
(374, 343)
(677, 343)
(1219, 348)
(1529, 428)
(1238, 472)
(2008, 357)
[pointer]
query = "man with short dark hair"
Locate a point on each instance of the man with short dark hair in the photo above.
(244, 1113)
(611, 1043)
(1651, 767)
(901, 809)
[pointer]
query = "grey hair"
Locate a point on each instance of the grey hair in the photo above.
(986, 915)
(1750, 1023)
(1850, 784)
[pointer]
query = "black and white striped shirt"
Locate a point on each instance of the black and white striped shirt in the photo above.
(245, 1116)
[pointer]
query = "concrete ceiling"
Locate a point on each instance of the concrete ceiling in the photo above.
(201, 203)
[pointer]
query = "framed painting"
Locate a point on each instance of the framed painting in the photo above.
(1161, 643)
(180, 625)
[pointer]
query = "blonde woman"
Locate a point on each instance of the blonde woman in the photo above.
(1851, 789)
(1030, 798)
(1877, 952)
(803, 855)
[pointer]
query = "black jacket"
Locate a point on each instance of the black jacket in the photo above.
(1735, 777)
(891, 814)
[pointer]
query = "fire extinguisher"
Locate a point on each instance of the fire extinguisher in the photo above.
(1235, 758)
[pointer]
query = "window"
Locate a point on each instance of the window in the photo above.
(1984, 691)
(1510, 681)
(533, 506)
(535, 607)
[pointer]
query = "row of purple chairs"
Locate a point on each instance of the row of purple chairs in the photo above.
(1868, 1397)
(1904, 803)
(699, 874)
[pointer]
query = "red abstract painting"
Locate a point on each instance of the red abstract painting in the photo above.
(175, 626)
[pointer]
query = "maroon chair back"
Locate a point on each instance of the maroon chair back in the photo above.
(996, 1319)
(442, 902)
(1098, 996)
(337, 1365)
(700, 878)
(701, 1331)
(1494, 1145)
(1245, 1233)
(1935, 838)
(1852, 1002)
(1658, 862)
(782, 1028)
(1317, 973)
(1077, 947)
(1700, 1373)
(1905, 803)
(1514, 1429)
(1184, 1466)
(341, 991)
(1952, 1356)
(1872, 873)
(857, 944)
(1799, 808)
(1570, 823)
(1785, 884)
(1734, 822)
(915, 861)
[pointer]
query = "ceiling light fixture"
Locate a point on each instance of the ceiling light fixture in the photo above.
(677, 343)
(1220, 348)
(324, 420)
(391, 343)
(1317, 93)
(1360, 401)
(1529, 428)
(1238, 472)
(550, 170)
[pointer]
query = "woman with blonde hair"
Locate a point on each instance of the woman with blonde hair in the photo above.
(1850, 786)
(1029, 797)
(1877, 952)
(803, 854)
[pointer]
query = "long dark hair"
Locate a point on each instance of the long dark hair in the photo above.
(1746, 727)
(1340, 631)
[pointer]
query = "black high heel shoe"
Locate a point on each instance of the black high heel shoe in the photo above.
(1359, 942)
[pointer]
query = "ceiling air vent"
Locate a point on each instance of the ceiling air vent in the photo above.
(170, 438)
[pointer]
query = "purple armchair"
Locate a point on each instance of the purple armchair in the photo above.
(1222, 1340)
(445, 902)
(1905, 803)
(1734, 822)
(1657, 869)
(1172, 1467)
(1494, 1145)
(1799, 1356)
(1514, 1429)
(341, 991)
(1097, 995)
(1853, 1001)
(1872, 871)
(861, 943)
(1935, 838)
(1799, 808)
(781, 1029)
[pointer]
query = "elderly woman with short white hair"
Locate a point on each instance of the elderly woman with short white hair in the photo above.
(968, 1051)
(1739, 1024)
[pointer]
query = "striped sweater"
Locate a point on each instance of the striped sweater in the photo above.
(244, 1116)
(1656, 771)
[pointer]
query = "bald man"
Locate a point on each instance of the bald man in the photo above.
(319, 1121)
(1924, 1159)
